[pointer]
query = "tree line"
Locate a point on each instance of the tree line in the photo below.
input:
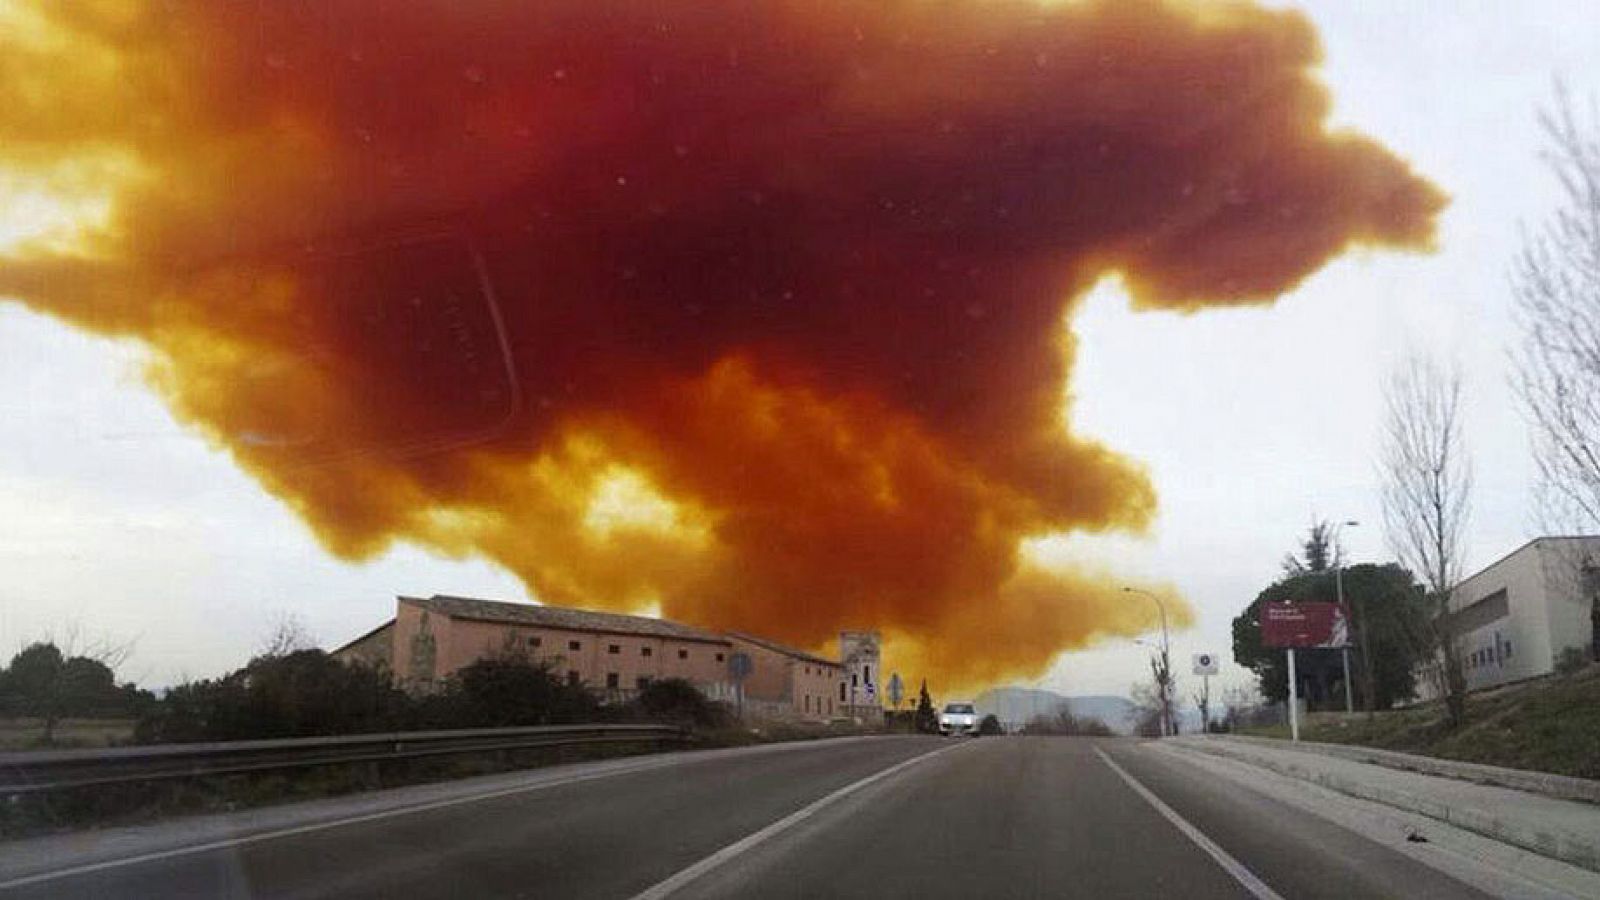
(292, 692)
(44, 683)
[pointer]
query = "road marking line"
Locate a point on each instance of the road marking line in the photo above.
(154, 856)
(676, 882)
(1230, 865)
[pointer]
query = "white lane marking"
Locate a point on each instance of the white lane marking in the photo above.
(154, 856)
(1230, 865)
(676, 882)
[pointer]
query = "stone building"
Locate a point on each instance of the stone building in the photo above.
(431, 638)
(788, 683)
(615, 655)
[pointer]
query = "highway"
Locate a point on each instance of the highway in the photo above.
(873, 817)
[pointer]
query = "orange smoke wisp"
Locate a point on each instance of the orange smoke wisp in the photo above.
(754, 312)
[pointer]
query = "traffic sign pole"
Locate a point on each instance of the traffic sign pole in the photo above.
(1294, 701)
(1349, 702)
(1205, 665)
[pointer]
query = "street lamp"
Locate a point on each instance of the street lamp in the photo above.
(1338, 587)
(1166, 660)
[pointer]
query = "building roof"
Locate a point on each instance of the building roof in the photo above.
(560, 617)
(354, 641)
(1534, 542)
(776, 647)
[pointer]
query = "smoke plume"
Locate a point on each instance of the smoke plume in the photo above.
(755, 312)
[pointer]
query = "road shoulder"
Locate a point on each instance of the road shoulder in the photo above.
(1495, 867)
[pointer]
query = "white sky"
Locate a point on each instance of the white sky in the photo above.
(1252, 422)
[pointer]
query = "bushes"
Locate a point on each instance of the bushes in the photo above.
(990, 725)
(1065, 723)
(307, 693)
(1571, 660)
(675, 701)
(506, 691)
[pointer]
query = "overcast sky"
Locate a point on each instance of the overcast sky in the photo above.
(1252, 422)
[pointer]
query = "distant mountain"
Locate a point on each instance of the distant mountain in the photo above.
(1015, 706)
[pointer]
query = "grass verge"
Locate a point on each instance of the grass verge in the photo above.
(1548, 725)
(28, 734)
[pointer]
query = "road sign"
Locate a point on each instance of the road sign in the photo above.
(1305, 625)
(740, 666)
(1205, 664)
(897, 689)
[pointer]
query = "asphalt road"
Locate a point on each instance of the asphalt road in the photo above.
(885, 817)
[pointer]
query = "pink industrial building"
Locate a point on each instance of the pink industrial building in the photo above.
(615, 655)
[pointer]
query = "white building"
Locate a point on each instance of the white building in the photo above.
(1515, 617)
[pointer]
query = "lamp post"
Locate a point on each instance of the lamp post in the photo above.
(1163, 684)
(1338, 582)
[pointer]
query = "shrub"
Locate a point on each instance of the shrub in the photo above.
(1571, 660)
(990, 725)
(1065, 723)
(676, 701)
(509, 690)
(306, 693)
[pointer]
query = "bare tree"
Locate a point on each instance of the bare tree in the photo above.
(287, 634)
(1427, 482)
(1149, 715)
(1556, 286)
(1161, 678)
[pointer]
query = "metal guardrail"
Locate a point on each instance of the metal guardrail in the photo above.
(47, 770)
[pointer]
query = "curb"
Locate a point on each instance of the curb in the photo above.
(1578, 850)
(1561, 787)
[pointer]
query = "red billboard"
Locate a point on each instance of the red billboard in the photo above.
(1324, 625)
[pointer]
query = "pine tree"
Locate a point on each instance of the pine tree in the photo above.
(927, 719)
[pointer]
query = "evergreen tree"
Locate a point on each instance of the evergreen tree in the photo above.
(927, 719)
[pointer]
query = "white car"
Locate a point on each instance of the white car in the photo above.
(959, 717)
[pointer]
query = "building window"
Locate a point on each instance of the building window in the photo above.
(683, 654)
(614, 649)
(643, 681)
(808, 703)
(1508, 649)
(612, 680)
(572, 678)
(646, 651)
(853, 678)
(574, 645)
(534, 641)
(841, 692)
(830, 706)
(719, 657)
(866, 674)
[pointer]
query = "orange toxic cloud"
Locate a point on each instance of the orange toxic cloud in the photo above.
(755, 313)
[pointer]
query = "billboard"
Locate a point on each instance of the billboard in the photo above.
(1305, 625)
